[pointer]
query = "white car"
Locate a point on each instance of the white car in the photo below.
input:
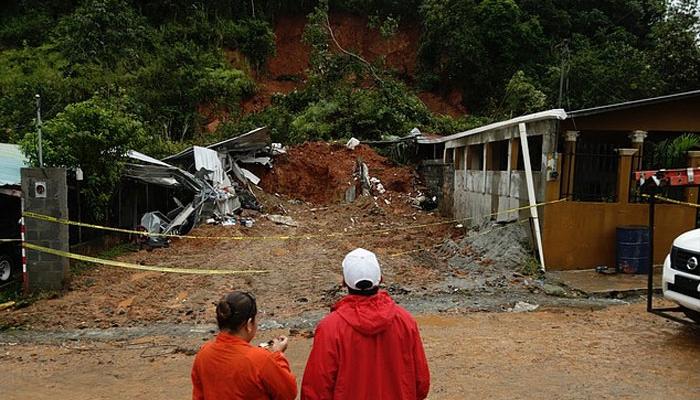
(681, 278)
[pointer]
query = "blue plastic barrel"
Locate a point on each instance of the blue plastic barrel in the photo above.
(632, 249)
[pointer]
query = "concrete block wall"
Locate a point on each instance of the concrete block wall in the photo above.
(438, 176)
(46, 271)
(446, 206)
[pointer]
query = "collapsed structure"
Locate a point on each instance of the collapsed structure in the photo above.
(204, 183)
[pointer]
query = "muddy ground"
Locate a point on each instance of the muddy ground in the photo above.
(304, 274)
(118, 333)
(620, 352)
(427, 262)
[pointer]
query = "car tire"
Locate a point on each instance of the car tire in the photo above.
(7, 268)
(692, 314)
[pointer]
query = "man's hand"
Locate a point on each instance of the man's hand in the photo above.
(279, 344)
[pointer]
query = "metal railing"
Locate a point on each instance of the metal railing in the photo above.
(594, 176)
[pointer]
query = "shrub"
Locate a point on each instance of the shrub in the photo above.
(95, 136)
(254, 38)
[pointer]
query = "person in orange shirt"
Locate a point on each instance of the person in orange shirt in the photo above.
(230, 368)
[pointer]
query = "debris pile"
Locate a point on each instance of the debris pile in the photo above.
(324, 173)
(501, 246)
(489, 259)
(216, 181)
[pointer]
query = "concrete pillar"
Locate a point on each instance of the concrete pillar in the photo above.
(691, 193)
(514, 153)
(624, 174)
(45, 191)
(446, 205)
(637, 138)
(485, 154)
(568, 163)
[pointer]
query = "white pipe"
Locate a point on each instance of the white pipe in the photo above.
(531, 191)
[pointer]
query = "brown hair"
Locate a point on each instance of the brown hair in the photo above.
(234, 310)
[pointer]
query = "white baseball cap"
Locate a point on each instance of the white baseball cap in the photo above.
(361, 265)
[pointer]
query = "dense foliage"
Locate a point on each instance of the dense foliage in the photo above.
(605, 51)
(345, 96)
(93, 135)
(160, 69)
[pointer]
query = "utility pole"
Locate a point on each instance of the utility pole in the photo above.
(38, 125)
(564, 60)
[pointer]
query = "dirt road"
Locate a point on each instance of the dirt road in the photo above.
(617, 353)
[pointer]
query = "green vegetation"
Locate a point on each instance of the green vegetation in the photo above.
(93, 135)
(345, 96)
(607, 51)
(670, 153)
(125, 73)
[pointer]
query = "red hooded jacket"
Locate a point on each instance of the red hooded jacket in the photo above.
(366, 348)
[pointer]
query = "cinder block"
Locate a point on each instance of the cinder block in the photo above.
(46, 271)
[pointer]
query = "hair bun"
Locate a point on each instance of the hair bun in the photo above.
(223, 310)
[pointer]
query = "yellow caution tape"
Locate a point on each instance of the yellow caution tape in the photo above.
(666, 199)
(121, 264)
(10, 240)
(47, 218)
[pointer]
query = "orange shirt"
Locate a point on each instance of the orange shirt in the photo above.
(229, 368)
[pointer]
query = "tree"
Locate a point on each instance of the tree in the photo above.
(676, 51)
(522, 97)
(478, 46)
(180, 79)
(254, 38)
(608, 71)
(105, 32)
(95, 136)
(670, 152)
(24, 73)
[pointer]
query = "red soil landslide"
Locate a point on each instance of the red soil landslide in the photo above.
(320, 172)
(353, 34)
(286, 70)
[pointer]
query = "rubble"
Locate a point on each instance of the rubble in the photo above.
(154, 222)
(323, 173)
(362, 173)
(554, 290)
(504, 246)
(352, 143)
(217, 177)
(424, 202)
(522, 306)
(283, 220)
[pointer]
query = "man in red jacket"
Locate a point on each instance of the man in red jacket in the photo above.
(368, 347)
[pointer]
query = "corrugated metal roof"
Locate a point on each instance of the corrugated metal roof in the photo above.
(539, 116)
(244, 142)
(11, 161)
(633, 103)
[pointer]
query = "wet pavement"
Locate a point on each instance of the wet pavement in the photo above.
(594, 283)
(618, 352)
